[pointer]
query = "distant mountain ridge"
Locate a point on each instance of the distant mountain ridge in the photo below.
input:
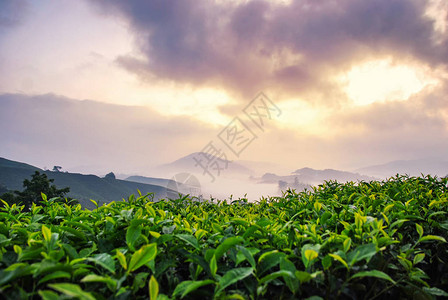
(82, 187)
(311, 176)
(188, 164)
(150, 180)
(410, 167)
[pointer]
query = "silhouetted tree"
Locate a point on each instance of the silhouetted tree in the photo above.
(3, 189)
(9, 198)
(57, 169)
(38, 184)
(6, 195)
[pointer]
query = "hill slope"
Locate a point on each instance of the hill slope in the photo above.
(82, 187)
(12, 173)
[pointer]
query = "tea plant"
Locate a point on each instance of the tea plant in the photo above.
(366, 240)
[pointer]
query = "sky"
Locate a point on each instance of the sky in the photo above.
(124, 86)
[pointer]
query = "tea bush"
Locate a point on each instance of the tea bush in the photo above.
(366, 240)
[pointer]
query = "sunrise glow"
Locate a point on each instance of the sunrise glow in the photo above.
(381, 80)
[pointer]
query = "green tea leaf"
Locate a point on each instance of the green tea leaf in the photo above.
(418, 258)
(309, 254)
(72, 290)
(303, 276)
(360, 253)
(268, 260)
(326, 262)
(55, 275)
(419, 229)
(188, 286)
(104, 260)
(189, 239)
(339, 258)
(111, 283)
(346, 244)
(226, 245)
(122, 259)
(398, 223)
(292, 283)
(132, 235)
(272, 276)
(248, 255)
(232, 277)
(153, 288)
(74, 232)
(432, 238)
(143, 256)
(46, 232)
(213, 266)
(373, 273)
(435, 291)
(48, 295)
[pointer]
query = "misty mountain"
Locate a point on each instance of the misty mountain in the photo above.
(309, 176)
(82, 187)
(410, 167)
(261, 167)
(190, 165)
(150, 180)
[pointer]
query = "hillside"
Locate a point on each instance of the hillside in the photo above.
(12, 173)
(82, 187)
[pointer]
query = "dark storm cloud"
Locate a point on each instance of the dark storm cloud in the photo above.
(245, 47)
(12, 12)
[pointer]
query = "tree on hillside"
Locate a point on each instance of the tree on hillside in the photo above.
(38, 184)
(3, 189)
(57, 169)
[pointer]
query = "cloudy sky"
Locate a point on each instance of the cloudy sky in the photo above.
(127, 85)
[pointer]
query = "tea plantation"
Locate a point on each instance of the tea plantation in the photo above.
(366, 240)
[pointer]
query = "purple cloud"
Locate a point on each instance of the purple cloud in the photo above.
(238, 46)
(12, 12)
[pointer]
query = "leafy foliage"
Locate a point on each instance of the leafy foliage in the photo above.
(33, 190)
(364, 240)
(3, 189)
